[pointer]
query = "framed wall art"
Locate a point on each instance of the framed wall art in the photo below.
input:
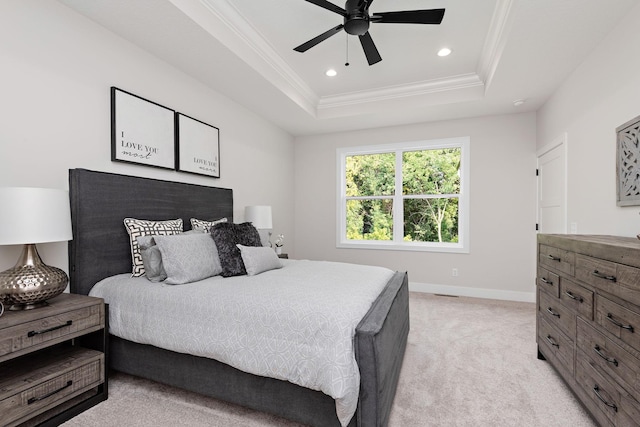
(628, 163)
(142, 131)
(197, 147)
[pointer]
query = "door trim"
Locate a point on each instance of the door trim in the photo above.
(560, 141)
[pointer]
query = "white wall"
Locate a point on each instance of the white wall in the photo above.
(55, 73)
(502, 213)
(599, 96)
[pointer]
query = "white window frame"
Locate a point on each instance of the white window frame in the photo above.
(462, 246)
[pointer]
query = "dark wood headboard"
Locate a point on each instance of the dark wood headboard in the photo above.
(99, 203)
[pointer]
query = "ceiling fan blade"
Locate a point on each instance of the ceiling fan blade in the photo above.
(370, 50)
(322, 37)
(329, 6)
(431, 16)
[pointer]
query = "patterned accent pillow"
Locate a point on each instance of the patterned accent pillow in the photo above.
(199, 224)
(188, 257)
(226, 236)
(141, 227)
(258, 260)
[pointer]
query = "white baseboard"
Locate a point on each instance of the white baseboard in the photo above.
(472, 292)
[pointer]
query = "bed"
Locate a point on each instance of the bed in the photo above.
(100, 249)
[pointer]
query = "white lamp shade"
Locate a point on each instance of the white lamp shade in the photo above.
(34, 215)
(259, 216)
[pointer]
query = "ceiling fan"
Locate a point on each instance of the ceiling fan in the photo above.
(357, 19)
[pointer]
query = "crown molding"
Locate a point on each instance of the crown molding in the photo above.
(495, 42)
(401, 91)
(222, 20)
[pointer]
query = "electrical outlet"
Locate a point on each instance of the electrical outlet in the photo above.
(454, 272)
(574, 228)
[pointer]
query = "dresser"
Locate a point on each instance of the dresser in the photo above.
(588, 320)
(52, 361)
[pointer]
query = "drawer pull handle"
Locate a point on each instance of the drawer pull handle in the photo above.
(604, 276)
(572, 296)
(620, 325)
(552, 342)
(553, 313)
(548, 282)
(596, 390)
(37, 399)
(44, 331)
(554, 258)
(608, 359)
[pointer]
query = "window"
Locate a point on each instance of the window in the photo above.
(409, 196)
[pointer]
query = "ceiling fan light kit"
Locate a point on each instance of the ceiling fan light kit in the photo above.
(357, 20)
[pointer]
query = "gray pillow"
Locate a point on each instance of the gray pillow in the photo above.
(259, 259)
(188, 257)
(151, 259)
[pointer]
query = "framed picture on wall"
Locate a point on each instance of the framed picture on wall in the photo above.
(628, 163)
(142, 131)
(197, 147)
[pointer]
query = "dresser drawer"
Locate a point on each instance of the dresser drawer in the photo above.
(554, 343)
(578, 298)
(549, 281)
(619, 321)
(557, 314)
(608, 402)
(50, 330)
(609, 357)
(617, 279)
(34, 384)
(557, 259)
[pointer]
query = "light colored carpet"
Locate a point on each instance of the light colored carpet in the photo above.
(469, 362)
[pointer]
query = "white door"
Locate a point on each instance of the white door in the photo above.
(552, 183)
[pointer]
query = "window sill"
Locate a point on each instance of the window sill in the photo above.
(414, 247)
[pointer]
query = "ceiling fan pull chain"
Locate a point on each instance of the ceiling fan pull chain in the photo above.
(346, 64)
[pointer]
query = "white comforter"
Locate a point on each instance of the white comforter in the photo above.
(296, 323)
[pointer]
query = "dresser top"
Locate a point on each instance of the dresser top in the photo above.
(623, 250)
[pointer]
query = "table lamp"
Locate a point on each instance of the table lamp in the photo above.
(29, 216)
(260, 217)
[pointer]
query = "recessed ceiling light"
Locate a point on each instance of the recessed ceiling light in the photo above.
(519, 102)
(331, 72)
(445, 51)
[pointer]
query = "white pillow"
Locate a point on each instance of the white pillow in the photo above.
(258, 259)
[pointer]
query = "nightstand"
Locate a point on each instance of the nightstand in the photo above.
(53, 360)
(283, 256)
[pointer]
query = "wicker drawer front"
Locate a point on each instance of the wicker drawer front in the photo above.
(577, 297)
(49, 386)
(558, 315)
(557, 259)
(619, 321)
(617, 279)
(609, 357)
(610, 404)
(549, 281)
(555, 343)
(50, 329)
